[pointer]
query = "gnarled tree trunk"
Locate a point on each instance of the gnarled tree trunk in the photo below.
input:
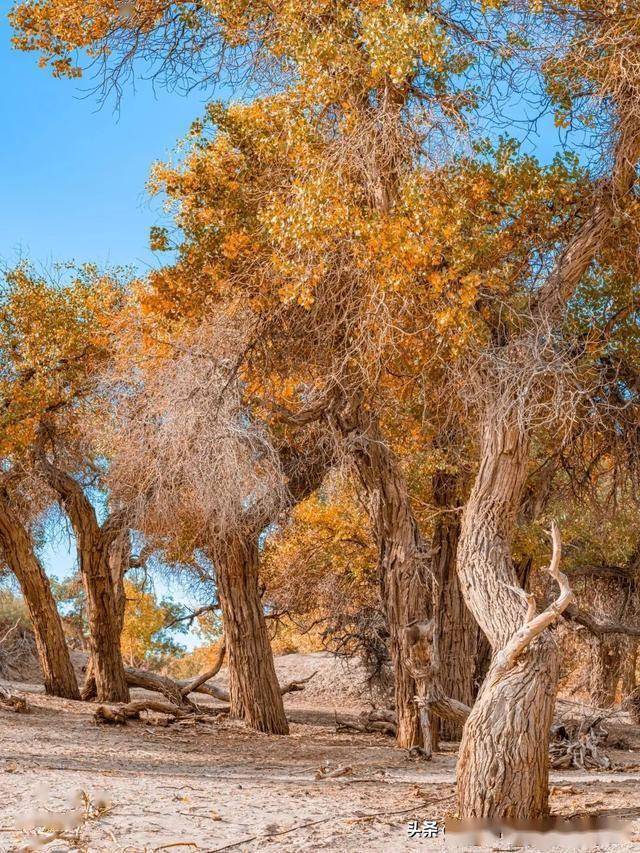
(17, 549)
(609, 660)
(503, 763)
(119, 557)
(95, 544)
(104, 623)
(253, 687)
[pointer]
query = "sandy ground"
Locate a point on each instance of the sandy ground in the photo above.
(215, 786)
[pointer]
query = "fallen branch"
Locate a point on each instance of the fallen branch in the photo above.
(578, 744)
(368, 722)
(177, 691)
(15, 703)
(119, 714)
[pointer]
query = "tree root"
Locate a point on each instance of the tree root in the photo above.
(579, 744)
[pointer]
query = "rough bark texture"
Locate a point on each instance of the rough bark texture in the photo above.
(612, 656)
(503, 764)
(629, 668)
(403, 561)
(456, 635)
(253, 686)
(95, 544)
(17, 549)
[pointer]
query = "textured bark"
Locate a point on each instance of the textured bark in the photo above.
(95, 546)
(16, 547)
(614, 597)
(457, 638)
(503, 764)
(629, 668)
(403, 563)
(605, 669)
(253, 686)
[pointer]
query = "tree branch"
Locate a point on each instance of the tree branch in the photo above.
(535, 625)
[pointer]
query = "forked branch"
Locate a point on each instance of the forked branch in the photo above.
(535, 625)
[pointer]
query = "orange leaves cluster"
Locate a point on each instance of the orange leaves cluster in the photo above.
(54, 338)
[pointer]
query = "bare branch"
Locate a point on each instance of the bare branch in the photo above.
(535, 625)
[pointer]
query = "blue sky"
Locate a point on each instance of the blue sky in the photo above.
(73, 176)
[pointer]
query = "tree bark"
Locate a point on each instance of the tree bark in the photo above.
(17, 548)
(605, 669)
(95, 545)
(503, 765)
(403, 563)
(253, 687)
(119, 559)
(629, 680)
(456, 634)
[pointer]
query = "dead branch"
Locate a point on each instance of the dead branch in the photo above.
(15, 703)
(119, 714)
(574, 614)
(177, 690)
(443, 706)
(156, 683)
(296, 685)
(535, 625)
(579, 744)
(377, 720)
(206, 676)
(8, 633)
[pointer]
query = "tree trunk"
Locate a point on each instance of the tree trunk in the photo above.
(403, 564)
(53, 654)
(119, 556)
(95, 544)
(605, 669)
(105, 626)
(456, 633)
(254, 691)
(503, 764)
(629, 680)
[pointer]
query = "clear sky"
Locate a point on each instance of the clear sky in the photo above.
(72, 176)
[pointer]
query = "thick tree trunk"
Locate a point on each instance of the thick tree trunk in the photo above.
(254, 691)
(17, 549)
(404, 568)
(456, 633)
(105, 626)
(119, 556)
(503, 763)
(95, 544)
